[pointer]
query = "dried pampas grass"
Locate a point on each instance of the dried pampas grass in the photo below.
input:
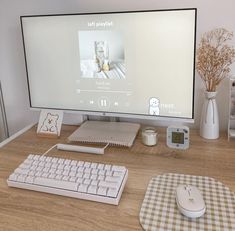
(214, 57)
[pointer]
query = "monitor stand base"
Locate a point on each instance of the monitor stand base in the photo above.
(113, 133)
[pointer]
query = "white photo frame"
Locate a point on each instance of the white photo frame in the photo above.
(50, 123)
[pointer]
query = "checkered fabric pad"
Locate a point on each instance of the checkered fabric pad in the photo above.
(159, 211)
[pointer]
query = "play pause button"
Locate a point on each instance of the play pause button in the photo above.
(103, 102)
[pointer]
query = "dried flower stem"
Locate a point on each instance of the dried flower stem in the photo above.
(214, 57)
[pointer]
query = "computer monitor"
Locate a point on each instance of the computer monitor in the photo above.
(125, 64)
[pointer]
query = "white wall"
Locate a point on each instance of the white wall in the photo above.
(211, 14)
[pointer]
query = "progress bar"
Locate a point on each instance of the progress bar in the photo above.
(103, 91)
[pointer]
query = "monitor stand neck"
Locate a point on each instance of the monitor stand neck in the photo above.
(114, 119)
(103, 118)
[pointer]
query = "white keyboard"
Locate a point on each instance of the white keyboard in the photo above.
(84, 180)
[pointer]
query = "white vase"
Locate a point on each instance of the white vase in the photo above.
(209, 127)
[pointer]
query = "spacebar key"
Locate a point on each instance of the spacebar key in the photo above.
(52, 183)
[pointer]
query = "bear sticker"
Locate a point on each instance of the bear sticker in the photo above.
(50, 123)
(154, 104)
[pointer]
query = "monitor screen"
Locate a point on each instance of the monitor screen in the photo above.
(135, 64)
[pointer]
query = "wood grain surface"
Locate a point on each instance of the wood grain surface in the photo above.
(29, 210)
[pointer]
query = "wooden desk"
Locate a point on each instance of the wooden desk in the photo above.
(29, 210)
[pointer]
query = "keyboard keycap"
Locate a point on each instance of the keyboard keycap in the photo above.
(109, 184)
(118, 168)
(102, 191)
(92, 189)
(82, 188)
(13, 177)
(112, 192)
(56, 183)
(29, 179)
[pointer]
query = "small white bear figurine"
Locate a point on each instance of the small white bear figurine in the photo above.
(49, 125)
(154, 104)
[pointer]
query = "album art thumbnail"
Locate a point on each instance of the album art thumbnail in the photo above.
(101, 54)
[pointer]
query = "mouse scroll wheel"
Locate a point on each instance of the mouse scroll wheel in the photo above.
(187, 188)
(191, 200)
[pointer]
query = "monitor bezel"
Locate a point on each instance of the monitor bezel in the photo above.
(107, 113)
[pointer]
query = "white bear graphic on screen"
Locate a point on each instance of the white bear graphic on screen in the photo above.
(50, 124)
(154, 104)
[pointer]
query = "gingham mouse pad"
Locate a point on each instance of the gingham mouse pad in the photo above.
(159, 211)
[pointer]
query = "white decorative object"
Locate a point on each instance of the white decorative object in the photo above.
(149, 136)
(177, 137)
(231, 119)
(209, 127)
(50, 122)
(215, 54)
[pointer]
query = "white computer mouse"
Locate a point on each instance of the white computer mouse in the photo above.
(190, 201)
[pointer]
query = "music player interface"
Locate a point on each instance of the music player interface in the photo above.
(112, 62)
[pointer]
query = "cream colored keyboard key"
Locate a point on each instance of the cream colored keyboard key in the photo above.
(82, 188)
(102, 191)
(92, 189)
(56, 183)
(112, 192)
(109, 184)
(13, 176)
